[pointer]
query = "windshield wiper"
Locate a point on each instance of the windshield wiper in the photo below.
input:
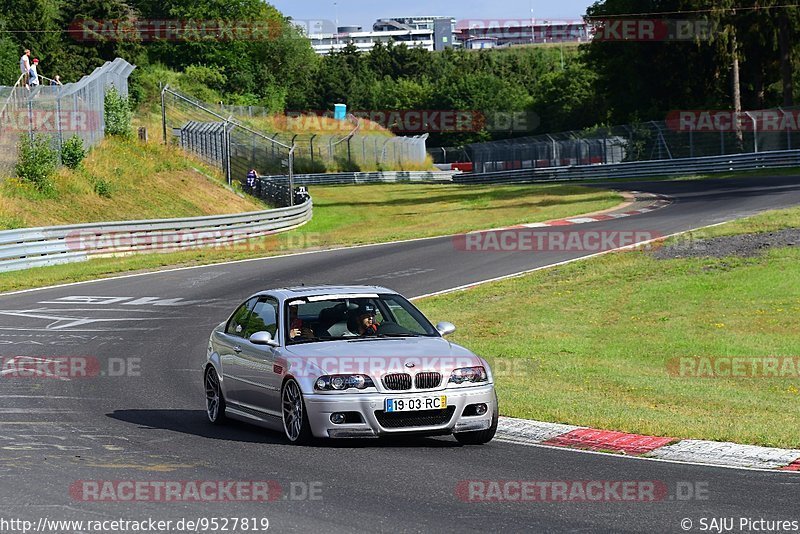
(381, 336)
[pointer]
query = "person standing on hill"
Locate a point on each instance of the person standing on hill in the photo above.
(33, 75)
(25, 65)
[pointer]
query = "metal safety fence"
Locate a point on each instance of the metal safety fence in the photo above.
(221, 140)
(38, 247)
(640, 169)
(325, 144)
(343, 178)
(690, 134)
(58, 111)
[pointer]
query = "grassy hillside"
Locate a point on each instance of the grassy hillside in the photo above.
(122, 180)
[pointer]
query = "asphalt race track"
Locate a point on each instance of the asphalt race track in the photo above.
(142, 418)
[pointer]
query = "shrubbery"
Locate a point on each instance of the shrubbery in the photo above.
(118, 113)
(72, 152)
(37, 161)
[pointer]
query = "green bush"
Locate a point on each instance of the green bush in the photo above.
(72, 152)
(37, 161)
(118, 113)
(345, 165)
(208, 76)
(306, 166)
(103, 188)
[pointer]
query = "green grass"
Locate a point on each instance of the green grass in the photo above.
(347, 215)
(122, 180)
(589, 343)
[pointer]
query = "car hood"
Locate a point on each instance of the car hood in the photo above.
(376, 357)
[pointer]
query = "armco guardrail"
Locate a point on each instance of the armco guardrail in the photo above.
(641, 169)
(368, 177)
(36, 247)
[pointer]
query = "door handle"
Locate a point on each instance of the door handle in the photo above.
(237, 349)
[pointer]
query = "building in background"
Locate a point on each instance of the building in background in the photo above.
(437, 33)
(430, 33)
(520, 32)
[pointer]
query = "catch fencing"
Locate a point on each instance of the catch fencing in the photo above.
(685, 135)
(58, 111)
(222, 141)
(323, 143)
(240, 138)
(38, 247)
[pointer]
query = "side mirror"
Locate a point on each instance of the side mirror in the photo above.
(445, 329)
(263, 338)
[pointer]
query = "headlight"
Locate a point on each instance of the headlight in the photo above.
(469, 374)
(342, 382)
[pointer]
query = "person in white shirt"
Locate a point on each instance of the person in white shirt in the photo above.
(33, 75)
(25, 66)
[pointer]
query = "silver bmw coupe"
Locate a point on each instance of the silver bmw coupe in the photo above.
(345, 362)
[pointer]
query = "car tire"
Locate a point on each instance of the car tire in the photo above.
(480, 437)
(293, 412)
(215, 401)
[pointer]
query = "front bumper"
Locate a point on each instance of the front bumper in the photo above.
(320, 407)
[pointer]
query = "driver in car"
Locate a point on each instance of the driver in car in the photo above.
(365, 324)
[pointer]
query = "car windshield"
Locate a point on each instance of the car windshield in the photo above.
(336, 317)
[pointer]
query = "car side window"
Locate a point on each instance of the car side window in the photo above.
(238, 321)
(264, 318)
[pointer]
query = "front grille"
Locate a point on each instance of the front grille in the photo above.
(412, 419)
(397, 381)
(427, 380)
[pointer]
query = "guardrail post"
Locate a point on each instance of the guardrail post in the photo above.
(755, 132)
(291, 174)
(364, 149)
(58, 125)
(788, 133)
(227, 137)
(164, 113)
(30, 119)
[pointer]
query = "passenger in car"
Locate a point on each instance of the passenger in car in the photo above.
(296, 327)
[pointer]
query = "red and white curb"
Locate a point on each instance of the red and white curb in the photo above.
(658, 202)
(687, 450)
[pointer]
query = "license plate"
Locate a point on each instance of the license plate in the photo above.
(413, 404)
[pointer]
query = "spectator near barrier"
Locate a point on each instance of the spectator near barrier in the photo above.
(25, 66)
(252, 176)
(33, 75)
